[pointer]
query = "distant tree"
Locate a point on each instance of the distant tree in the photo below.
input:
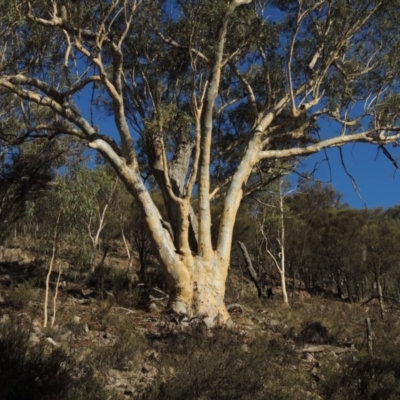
(26, 171)
(93, 191)
(271, 214)
(203, 89)
(381, 237)
(309, 210)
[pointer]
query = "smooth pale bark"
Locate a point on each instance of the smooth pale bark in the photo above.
(279, 261)
(198, 287)
(380, 297)
(194, 269)
(50, 270)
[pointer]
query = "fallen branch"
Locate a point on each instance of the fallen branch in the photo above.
(377, 297)
(325, 347)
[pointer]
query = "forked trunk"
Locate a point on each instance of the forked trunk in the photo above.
(201, 296)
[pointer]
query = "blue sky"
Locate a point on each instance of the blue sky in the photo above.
(376, 177)
(378, 182)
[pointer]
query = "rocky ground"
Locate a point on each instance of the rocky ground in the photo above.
(127, 342)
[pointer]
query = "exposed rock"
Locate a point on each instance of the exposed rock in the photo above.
(271, 324)
(325, 347)
(88, 292)
(4, 319)
(16, 256)
(315, 374)
(37, 330)
(52, 342)
(235, 308)
(308, 357)
(76, 319)
(153, 307)
(34, 339)
(149, 369)
(152, 355)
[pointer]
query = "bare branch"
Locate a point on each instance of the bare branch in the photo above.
(177, 45)
(248, 88)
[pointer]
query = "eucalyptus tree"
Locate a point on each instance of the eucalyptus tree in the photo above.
(380, 237)
(271, 214)
(207, 96)
(94, 192)
(310, 208)
(27, 167)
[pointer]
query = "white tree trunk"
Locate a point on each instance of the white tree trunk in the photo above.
(202, 296)
(284, 291)
(51, 263)
(380, 297)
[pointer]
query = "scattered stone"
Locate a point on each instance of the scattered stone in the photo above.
(109, 335)
(76, 319)
(235, 308)
(65, 335)
(271, 324)
(245, 347)
(153, 307)
(315, 374)
(149, 369)
(152, 355)
(37, 330)
(36, 322)
(16, 256)
(52, 342)
(87, 292)
(34, 339)
(323, 348)
(4, 319)
(308, 357)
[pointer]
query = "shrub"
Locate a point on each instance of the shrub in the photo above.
(221, 368)
(127, 347)
(35, 373)
(20, 297)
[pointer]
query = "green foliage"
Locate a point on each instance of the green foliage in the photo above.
(117, 282)
(364, 379)
(20, 296)
(35, 374)
(25, 173)
(219, 367)
(127, 349)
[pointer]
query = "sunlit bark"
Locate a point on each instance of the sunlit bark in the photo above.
(284, 103)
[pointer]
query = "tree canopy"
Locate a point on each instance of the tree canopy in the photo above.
(208, 97)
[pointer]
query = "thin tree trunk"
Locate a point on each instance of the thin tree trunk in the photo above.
(53, 256)
(281, 264)
(369, 336)
(380, 296)
(53, 317)
(261, 286)
(294, 283)
(128, 252)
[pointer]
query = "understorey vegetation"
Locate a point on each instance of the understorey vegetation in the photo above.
(112, 336)
(159, 236)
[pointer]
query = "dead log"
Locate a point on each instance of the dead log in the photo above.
(325, 347)
(264, 290)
